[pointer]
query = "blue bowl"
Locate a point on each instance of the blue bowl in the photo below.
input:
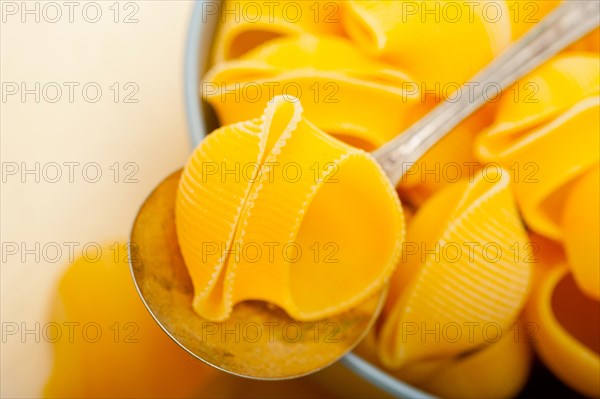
(201, 121)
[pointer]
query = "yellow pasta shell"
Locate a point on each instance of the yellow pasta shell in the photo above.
(326, 202)
(581, 231)
(541, 96)
(131, 356)
(549, 139)
(499, 370)
(446, 284)
(422, 37)
(567, 323)
(331, 77)
(246, 24)
(542, 180)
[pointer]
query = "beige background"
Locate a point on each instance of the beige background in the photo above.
(151, 134)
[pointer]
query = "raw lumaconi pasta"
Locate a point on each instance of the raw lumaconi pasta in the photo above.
(124, 353)
(438, 42)
(541, 95)
(331, 77)
(451, 276)
(581, 231)
(549, 141)
(280, 181)
(245, 24)
(499, 370)
(567, 323)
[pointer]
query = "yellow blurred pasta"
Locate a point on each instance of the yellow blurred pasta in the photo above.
(497, 370)
(125, 354)
(245, 24)
(581, 231)
(550, 139)
(329, 75)
(437, 42)
(566, 322)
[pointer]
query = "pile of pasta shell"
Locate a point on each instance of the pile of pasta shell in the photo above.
(501, 254)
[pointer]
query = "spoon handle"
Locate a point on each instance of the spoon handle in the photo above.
(568, 23)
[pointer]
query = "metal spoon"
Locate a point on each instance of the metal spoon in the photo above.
(259, 340)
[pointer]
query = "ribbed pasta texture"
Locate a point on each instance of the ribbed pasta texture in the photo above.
(550, 141)
(276, 210)
(464, 269)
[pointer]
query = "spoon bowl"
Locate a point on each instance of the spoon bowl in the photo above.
(258, 340)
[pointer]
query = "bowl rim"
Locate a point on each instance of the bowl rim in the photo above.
(196, 60)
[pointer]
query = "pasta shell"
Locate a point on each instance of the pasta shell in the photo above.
(438, 42)
(246, 24)
(329, 75)
(581, 231)
(566, 322)
(441, 283)
(316, 230)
